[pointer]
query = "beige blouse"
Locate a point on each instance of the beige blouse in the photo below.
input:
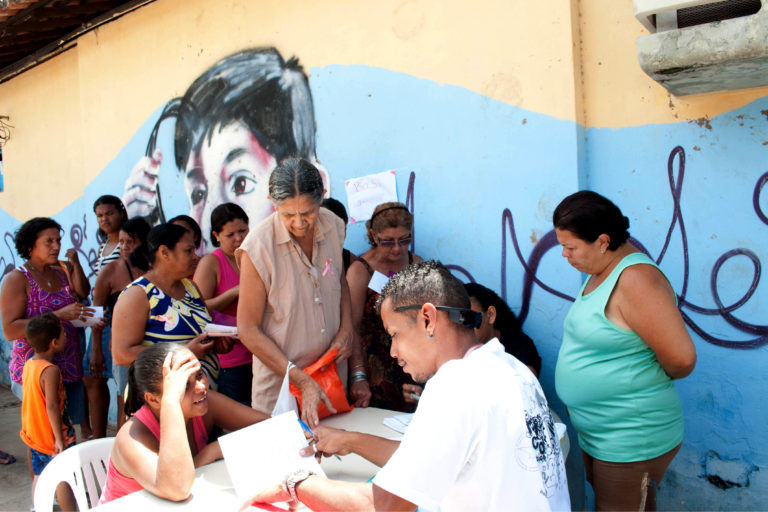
(303, 309)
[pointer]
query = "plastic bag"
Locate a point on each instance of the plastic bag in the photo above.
(285, 400)
(324, 372)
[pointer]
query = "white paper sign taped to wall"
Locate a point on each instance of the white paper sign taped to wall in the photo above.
(367, 192)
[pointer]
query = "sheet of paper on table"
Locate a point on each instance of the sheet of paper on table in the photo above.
(220, 330)
(263, 454)
(90, 321)
(399, 422)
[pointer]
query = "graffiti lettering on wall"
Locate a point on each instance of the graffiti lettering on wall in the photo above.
(758, 333)
(77, 236)
(234, 123)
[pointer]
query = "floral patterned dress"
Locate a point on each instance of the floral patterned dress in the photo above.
(385, 376)
(40, 301)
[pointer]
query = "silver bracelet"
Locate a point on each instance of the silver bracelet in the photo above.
(359, 376)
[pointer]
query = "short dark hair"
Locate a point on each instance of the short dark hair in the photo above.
(41, 330)
(192, 226)
(145, 374)
(588, 215)
(163, 234)
(101, 236)
(506, 321)
(425, 281)
(27, 234)
(336, 207)
(225, 212)
(388, 215)
(294, 177)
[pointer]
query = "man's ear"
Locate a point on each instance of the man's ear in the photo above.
(428, 318)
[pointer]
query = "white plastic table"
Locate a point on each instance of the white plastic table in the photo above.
(213, 489)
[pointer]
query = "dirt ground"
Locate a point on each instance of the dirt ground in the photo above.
(15, 482)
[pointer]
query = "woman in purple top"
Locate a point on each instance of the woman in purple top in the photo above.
(218, 278)
(40, 285)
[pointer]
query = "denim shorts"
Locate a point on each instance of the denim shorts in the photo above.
(75, 396)
(75, 392)
(106, 334)
(121, 378)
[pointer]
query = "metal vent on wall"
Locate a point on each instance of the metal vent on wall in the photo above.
(699, 46)
(700, 14)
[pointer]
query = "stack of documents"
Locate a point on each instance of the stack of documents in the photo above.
(398, 423)
(221, 330)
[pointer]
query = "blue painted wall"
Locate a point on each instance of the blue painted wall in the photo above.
(472, 158)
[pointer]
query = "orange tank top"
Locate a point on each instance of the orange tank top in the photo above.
(36, 431)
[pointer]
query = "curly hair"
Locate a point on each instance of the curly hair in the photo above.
(27, 234)
(425, 281)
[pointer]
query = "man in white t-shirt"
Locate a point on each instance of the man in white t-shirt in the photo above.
(482, 437)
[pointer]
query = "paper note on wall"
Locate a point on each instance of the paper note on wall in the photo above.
(366, 192)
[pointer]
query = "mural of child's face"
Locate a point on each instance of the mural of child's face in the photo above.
(232, 167)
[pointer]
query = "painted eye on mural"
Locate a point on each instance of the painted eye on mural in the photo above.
(242, 182)
(198, 194)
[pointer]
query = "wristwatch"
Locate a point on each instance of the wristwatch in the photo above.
(295, 478)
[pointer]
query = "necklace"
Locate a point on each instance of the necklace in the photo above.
(32, 267)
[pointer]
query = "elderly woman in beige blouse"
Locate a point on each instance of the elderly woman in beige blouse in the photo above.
(294, 299)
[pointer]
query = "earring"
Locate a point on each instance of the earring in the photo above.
(602, 250)
(430, 335)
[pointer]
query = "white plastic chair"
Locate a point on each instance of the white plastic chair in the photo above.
(83, 467)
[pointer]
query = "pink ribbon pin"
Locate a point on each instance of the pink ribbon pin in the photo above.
(328, 269)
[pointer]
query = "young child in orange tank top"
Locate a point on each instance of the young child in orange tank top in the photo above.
(45, 424)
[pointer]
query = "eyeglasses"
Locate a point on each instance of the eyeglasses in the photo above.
(461, 316)
(389, 243)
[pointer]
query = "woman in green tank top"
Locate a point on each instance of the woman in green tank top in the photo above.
(624, 341)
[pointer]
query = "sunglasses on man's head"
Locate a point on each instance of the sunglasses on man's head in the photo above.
(389, 243)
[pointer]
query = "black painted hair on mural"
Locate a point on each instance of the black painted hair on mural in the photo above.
(225, 212)
(145, 374)
(506, 321)
(107, 199)
(192, 226)
(294, 177)
(26, 235)
(425, 281)
(337, 207)
(388, 215)
(588, 215)
(41, 330)
(258, 88)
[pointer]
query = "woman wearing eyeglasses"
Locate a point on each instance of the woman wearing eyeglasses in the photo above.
(375, 378)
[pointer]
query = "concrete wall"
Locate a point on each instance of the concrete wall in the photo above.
(489, 120)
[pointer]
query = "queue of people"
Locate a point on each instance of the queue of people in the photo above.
(407, 334)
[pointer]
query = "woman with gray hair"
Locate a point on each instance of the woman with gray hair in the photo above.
(294, 301)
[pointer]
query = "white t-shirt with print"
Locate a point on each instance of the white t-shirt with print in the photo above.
(482, 438)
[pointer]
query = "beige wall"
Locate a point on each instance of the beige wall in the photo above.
(570, 59)
(517, 52)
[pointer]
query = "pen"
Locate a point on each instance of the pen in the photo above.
(306, 427)
(415, 396)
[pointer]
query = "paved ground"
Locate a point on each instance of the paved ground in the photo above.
(15, 482)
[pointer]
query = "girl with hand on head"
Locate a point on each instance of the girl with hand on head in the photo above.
(172, 412)
(218, 278)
